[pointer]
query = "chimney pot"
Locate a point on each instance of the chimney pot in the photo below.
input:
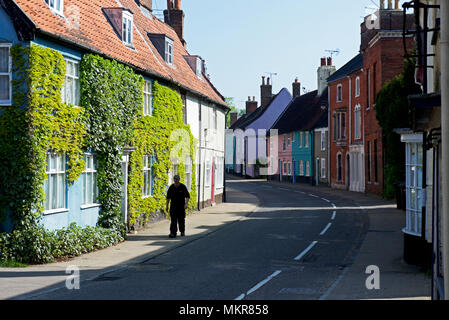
(249, 98)
(382, 4)
(254, 98)
(169, 4)
(323, 62)
(268, 81)
(296, 88)
(329, 61)
(390, 4)
(263, 80)
(396, 4)
(178, 4)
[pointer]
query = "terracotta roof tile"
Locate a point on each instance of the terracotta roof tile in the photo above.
(97, 34)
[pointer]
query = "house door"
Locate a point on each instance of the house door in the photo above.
(348, 170)
(124, 194)
(212, 185)
(317, 172)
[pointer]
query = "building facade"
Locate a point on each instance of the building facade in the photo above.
(129, 35)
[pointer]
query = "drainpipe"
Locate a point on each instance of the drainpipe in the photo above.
(445, 138)
(199, 160)
(350, 133)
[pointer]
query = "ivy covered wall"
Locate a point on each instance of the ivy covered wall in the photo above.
(110, 118)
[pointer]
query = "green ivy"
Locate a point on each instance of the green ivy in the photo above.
(37, 122)
(112, 95)
(163, 135)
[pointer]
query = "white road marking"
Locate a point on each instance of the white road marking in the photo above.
(333, 205)
(333, 215)
(325, 199)
(284, 189)
(325, 229)
(240, 297)
(312, 195)
(302, 254)
(263, 282)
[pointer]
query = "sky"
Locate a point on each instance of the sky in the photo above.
(243, 40)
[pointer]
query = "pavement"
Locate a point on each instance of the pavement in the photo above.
(381, 246)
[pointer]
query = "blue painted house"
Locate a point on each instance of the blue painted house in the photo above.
(128, 33)
(299, 120)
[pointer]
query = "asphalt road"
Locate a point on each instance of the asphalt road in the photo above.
(295, 246)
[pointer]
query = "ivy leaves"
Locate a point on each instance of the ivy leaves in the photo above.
(111, 95)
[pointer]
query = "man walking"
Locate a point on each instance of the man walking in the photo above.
(179, 197)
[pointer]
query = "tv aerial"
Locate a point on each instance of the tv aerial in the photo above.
(332, 52)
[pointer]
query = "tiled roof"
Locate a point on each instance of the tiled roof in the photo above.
(96, 33)
(354, 64)
(304, 113)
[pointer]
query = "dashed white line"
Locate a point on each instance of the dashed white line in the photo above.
(333, 215)
(302, 254)
(259, 285)
(326, 228)
(284, 189)
(325, 199)
(312, 195)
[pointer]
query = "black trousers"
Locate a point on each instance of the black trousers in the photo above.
(177, 218)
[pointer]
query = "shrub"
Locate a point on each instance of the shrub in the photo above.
(36, 245)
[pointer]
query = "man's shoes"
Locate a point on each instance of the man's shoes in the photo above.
(172, 235)
(183, 234)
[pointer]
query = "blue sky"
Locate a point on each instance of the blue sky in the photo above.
(242, 40)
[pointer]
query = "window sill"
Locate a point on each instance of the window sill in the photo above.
(6, 103)
(88, 206)
(54, 211)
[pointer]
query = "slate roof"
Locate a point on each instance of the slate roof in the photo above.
(354, 64)
(304, 113)
(96, 34)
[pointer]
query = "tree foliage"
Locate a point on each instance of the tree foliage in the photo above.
(393, 112)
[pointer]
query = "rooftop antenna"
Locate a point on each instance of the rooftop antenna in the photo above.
(332, 52)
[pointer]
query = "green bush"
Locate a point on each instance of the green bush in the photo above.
(36, 245)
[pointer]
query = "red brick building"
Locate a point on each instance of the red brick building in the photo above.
(345, 126)
(383, 58)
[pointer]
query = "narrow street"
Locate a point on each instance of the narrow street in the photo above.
(294, 246)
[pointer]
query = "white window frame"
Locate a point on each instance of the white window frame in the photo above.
(300, 139)
(51, 172)
(208, 174)
(323, 140)
(357, 122)
(284, 143)
(147, 171)
(323, 168)
(7, 102)
(289, 168)
(76, 82)
(127, 28)
(357, 86)
(90, 171)
(52, 5)
(188, 173)
(148, 98)
(301, 168)
(414, 191)
(339, 92)
(169, 51)
(306, 143)
(307, 168)
(199, 67)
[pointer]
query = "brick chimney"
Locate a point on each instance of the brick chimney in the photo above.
(324, 72)
(265, 92)
(296, 88)
(251, 105)
(174, 17)
(234, 117)
(148, 4)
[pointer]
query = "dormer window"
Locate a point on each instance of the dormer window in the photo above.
(164, 45)
(196, 63)
(127, 30)
(199, 67)
(169, 51)
(56, 5)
